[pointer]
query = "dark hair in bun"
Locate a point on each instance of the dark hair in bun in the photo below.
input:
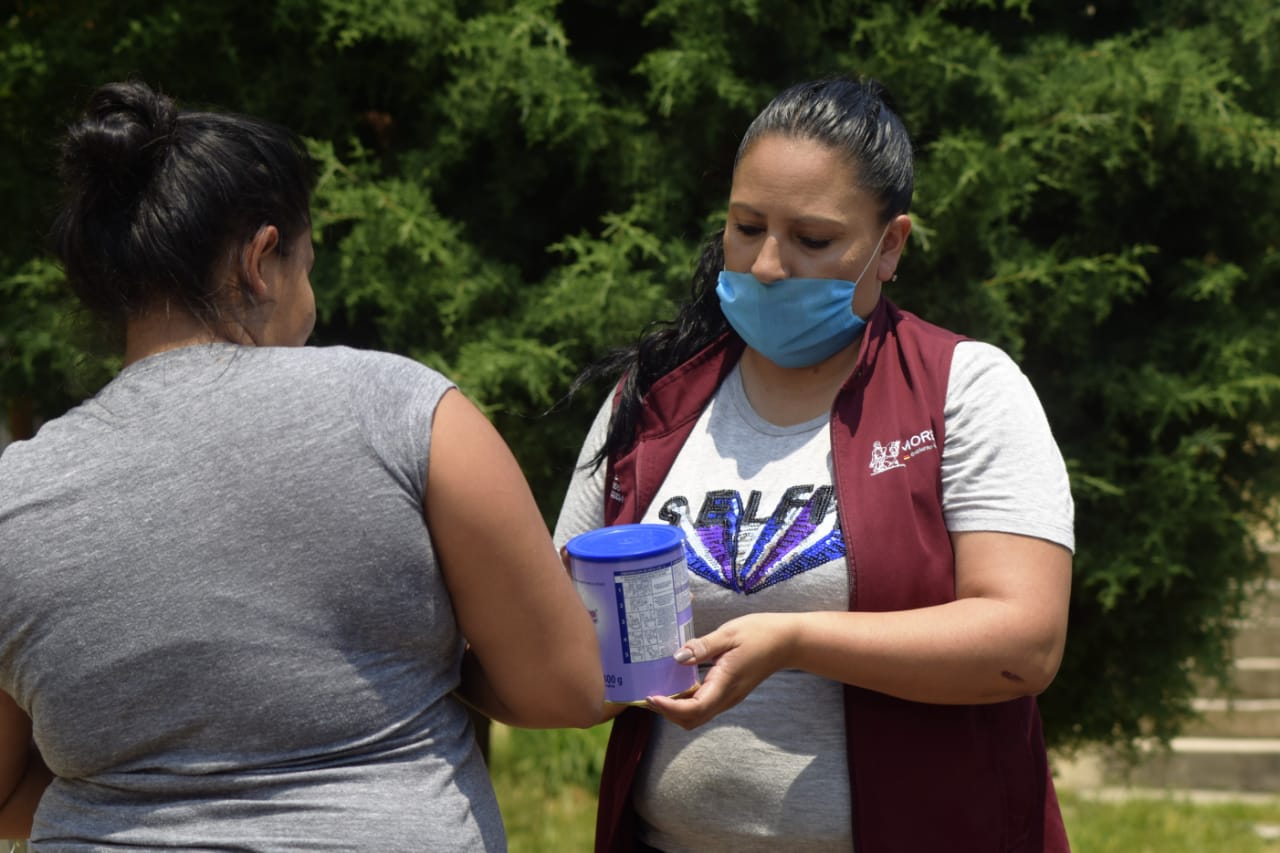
(158, 200)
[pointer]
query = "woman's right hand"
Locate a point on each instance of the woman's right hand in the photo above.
(742, 652)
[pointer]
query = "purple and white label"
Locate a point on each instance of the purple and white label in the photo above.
(643, 612)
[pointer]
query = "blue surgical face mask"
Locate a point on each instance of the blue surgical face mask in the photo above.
(793, 322)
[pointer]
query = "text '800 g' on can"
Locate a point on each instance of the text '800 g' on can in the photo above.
(634, 581)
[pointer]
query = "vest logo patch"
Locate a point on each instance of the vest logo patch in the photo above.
(897, 452)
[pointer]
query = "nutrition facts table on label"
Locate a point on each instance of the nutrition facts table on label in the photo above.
(647, 614)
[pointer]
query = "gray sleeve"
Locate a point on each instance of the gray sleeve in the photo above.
(583, 507)
(394, 400)
(1001, 468)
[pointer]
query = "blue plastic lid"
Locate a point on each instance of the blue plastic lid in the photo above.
(625, 542)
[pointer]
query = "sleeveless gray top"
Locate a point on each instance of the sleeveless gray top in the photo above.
(220, 606)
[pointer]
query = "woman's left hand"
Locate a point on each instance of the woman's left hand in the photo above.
(743, 652)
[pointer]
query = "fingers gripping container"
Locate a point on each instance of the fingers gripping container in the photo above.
(634, 581)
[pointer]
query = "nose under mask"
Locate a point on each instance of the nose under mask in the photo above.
(793, 322)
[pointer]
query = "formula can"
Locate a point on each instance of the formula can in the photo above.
(634, 581)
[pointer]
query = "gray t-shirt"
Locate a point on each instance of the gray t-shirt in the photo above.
(757, 505)
(222, 610)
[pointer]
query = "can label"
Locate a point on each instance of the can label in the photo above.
(650, 602)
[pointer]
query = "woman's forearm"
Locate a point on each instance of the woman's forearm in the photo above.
(478, 691)
(1002, 637)
(970, 651)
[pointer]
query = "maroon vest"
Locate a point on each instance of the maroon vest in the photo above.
(923, 777)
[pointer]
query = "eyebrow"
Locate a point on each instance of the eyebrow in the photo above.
(742, 206)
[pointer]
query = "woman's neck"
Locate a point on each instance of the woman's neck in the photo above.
(786, 396)
(166, 328)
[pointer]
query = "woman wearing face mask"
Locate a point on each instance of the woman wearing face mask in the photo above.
(878, 528)
(234, 584)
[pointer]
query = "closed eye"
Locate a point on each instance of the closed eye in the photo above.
(748, 230)
(810, 243)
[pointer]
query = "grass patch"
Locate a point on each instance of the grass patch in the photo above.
(546, 783)
(1169, 824)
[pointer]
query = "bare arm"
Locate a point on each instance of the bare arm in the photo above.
(532, 660)
(1003, 637)
(23, 775)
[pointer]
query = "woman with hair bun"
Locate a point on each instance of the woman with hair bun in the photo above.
(878, 528)
(248, 586)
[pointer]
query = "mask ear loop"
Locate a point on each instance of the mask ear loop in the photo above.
(879, 243)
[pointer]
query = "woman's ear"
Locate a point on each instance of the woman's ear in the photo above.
(895, 241)
(259, 263)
